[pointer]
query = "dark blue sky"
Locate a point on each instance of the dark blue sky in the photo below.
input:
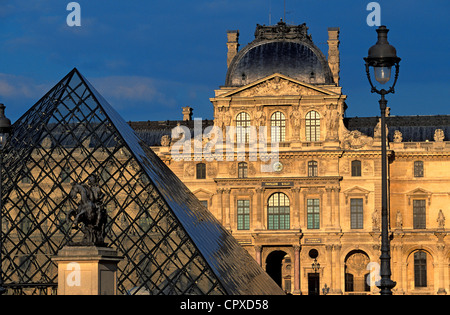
(150, 58)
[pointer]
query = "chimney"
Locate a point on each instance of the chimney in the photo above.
(233, 45)
(187, 113)
(333, 52)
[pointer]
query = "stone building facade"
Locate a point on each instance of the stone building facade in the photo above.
(319, 201)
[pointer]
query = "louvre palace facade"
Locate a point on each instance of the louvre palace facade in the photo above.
(311, 214)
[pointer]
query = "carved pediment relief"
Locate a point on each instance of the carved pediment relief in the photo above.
(419, 193)
(356, 192)
(277, 85)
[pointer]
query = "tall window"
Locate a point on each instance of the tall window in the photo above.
(278, 212)
(418, 169)
(242, 170)
(420, 269)
(313, 213)
(243, 128)
(201, 171)
(278, 127)
(312, 169)
(356, 213)
(419, 214)
(312, 124)
(356, 168)
(243, 214)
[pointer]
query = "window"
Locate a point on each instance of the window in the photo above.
(420, 269)
(242, 170)
(278, 127)
(243, 128)
(243, 214)
(204, 203)
(419, 214)
(312, 124)
(313, 213)
(278, 212)
(312, 169)
(356, 213)
(418, 169)
(356, 168)
(201, 171)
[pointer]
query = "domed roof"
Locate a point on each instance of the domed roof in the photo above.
(284, 49)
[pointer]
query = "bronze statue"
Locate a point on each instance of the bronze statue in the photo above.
(90, 216)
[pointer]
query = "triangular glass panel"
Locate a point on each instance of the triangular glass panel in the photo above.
(171, 244)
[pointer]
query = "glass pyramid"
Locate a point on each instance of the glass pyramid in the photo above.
(170, 243)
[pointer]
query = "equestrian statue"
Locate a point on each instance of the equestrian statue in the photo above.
(90, 216)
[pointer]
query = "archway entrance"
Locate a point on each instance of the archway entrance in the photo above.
(278, 265)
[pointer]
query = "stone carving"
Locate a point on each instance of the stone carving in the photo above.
(375, 220)
(296, 120)
(398, 136)
(276, 87)
(165, 141)
(377, 130)
(399, 220)
(282, 31)
(259, 116)
(441, 220)
(189, 171)
(356, 140)
(90, 216)
(332, 116)
(439, 135)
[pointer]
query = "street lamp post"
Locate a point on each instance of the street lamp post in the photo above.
(382, 57)
(5, 130)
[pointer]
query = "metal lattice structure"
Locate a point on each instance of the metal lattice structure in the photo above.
(171, 244)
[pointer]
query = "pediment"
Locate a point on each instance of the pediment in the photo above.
(356, 192)
(277, 85)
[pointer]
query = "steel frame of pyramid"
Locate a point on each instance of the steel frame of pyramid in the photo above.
(171, 244)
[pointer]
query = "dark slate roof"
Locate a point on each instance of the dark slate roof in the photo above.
(282, 48)
(151, 132)
(413, 128)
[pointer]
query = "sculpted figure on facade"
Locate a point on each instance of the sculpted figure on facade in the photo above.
(296, 120)
(441, 220)
(332, 116)
(356, 140)
(439, 135)
(259, 116)
(398, 136)
(399, 220)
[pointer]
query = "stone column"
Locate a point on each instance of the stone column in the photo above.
(339, 272)
(259, 207)
(297, 289)
(220, 215)
(441, 269)
(87, 270)
(296, 212)
(226, 222)
(258, 250)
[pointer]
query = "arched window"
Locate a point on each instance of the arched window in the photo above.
(356, 168)
(243, 128)
(242, 170)
(278, 212)
(278, 127)
(420, 269)
(312, 124)
(312, 169)
(201, 171)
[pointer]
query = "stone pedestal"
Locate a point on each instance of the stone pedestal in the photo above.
(87, 270)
